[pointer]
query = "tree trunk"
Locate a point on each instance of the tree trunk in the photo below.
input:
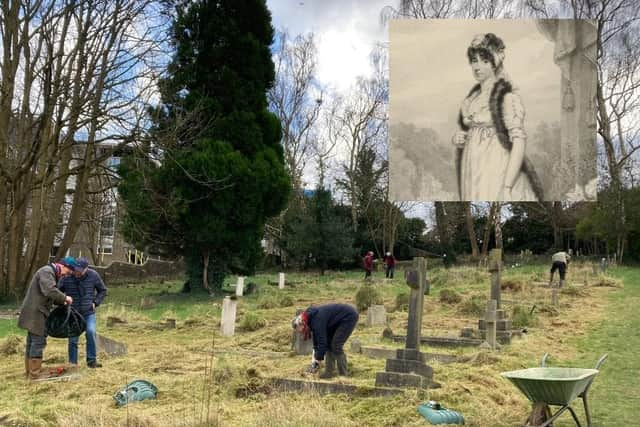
(471, 230)
(205, 271)
(497, 225)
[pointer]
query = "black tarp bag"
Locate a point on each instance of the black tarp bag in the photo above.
(65, 322)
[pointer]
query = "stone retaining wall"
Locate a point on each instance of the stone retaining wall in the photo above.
(122, 272)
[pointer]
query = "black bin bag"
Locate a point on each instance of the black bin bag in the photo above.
(64, 322)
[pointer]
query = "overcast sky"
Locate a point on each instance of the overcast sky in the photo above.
(346, 33)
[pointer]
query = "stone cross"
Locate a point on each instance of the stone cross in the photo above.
(240, 286)
(490, 320)
(228, 322)
(495, 266)
(281, 281)
(418, 285)
(408, 368)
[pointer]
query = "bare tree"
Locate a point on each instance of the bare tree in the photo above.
(356, 124)
(74, 75)
(293, 100)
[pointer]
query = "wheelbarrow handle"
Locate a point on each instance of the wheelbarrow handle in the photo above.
(543, 362)
(601, 360)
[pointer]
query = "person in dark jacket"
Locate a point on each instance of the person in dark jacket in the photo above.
(367, 263)
(41, 293)
(330, 326)
(88, 290)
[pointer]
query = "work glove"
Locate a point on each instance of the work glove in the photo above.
(314, 367)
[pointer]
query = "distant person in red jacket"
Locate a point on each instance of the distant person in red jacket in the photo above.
(389, 265)
(367, 263)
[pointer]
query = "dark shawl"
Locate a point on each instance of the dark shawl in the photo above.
(496, 100)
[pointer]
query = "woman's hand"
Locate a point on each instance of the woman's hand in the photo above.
(459, 139)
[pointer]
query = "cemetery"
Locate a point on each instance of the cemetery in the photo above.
(256, 213)
(234, 359)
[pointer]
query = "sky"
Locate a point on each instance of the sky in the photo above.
(346, 32)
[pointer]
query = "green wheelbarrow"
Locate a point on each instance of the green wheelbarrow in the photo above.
(555, 387)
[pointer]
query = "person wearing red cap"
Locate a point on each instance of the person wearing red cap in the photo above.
(41, 293)
(367, 263)
(329, 326)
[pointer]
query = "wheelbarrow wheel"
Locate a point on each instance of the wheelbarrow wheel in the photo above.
(540, 413)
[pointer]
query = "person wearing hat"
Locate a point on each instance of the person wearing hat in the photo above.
(367, 263)
(389, 265)
(329, 326)
(88, 290)
(41, 294)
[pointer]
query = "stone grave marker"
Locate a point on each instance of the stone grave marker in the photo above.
(490, 322)
(502, 323)
(228, 322)
(298, 344)
(240, 286)
(376, 315)
(109, 346)
(281, 281)
(408, 368)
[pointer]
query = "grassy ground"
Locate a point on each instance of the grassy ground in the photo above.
(205, 379)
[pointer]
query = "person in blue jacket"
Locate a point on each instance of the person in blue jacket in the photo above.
(88, 290)
(330, 326)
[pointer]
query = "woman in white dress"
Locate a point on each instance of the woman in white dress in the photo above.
(491, 161)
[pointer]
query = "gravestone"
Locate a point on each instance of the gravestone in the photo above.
(281, 281)
(228, 322)
(603, 265)
(298, 344)
(408, 368)
(490, 322)
(147, 302)
(240, 286)
(376, 315)
(502, 323)
(109, 346)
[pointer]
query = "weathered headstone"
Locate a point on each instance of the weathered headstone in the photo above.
(228, 322)
(298, 344)
(281, 281)
(240, 286)
(408, 368)
(109, 346)
(376, 315)
(147, 302)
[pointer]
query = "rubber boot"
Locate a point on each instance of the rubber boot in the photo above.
(341, 360)
(561, 284)
(329, 366)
